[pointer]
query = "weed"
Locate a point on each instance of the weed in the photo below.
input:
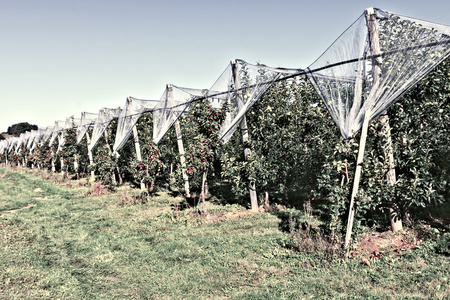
(97, 189)
(128, 197)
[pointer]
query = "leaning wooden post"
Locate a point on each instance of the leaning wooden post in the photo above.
(91, 159)
(170, 99)
(244, 133)
(359, 162)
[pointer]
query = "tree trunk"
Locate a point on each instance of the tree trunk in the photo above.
(205, 173)
(394, 209)
(118, 175)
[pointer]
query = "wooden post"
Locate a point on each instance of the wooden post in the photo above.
(244, 133)
(359, 162)
(110, 153)
(61, 160)
(376, 71)
(91, 159)
(396, 222)
(138, 150)
(180, 143)
(53, 161)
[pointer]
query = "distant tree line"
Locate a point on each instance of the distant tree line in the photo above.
(19, 128)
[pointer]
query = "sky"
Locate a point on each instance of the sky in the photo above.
(59, 58)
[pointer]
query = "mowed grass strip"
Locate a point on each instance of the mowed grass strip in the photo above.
(72, 247)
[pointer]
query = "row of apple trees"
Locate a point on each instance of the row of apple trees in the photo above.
(297, 154)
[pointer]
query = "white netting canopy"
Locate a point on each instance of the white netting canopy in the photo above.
(172, 104)
(241, 85)
(87, 120)
(47, 134)
(14, 142)
(33, 134)
(70, 123)
(3, 146)
(367, 72)
(23, 138)
(37, 138)
(105, 116)
(55, 133)
(128, 117)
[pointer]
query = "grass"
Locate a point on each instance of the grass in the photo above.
(73, 247)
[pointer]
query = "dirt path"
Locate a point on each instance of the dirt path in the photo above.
(18, 209)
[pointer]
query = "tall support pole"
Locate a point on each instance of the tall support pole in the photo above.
(61, 160)
(53, 161)
(138, 150)
(170, 99)
(376, 73)
(376, 70)
(91, 158)
(396, 222)
(244, 133)
(110, 153)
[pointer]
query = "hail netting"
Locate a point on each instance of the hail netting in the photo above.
(71, 123)
(343, 76)
(47, 134)
(128, 117)
(104, 118)
(31, 138)
(172, 104)
(14, 142)
(37, 137)
(3, 146)
(241, 85)
(55, 133)
(87, 120)
(22, 139)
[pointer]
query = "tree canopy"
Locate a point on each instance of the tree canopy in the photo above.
(19, 128)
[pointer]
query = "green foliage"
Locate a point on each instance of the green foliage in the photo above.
(204, 140)
(421, 124)
(149, 167)
(105, 166)
(69, 150)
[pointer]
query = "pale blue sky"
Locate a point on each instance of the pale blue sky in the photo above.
(60, 57)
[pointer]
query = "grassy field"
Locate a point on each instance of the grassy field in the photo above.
(55, 242)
